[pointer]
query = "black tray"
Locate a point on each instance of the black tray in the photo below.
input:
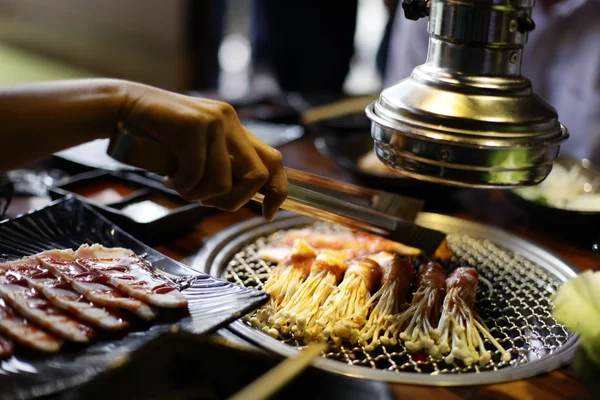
(68, 223)
(160, 230)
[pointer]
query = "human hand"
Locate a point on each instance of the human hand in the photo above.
(218, 161)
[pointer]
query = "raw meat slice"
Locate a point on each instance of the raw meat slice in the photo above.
(92, 285)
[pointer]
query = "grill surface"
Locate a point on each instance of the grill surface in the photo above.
(517, 310)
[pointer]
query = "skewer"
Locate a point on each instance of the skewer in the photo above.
(268, 384)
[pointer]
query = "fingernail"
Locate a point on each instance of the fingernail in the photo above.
(271, 216)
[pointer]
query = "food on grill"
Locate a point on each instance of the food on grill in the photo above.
(285, 279)
(458, 329)
(20, 330)
(274, 254)
(416, 325)
(55, 294)
(397, 275)
(355, 294)
(352, 244)
(290, 273)
(299, 314)
(93, 286)
(443, 251)
(350, 298)
(60, 294)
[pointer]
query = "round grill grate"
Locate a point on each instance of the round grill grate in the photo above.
(517, 310)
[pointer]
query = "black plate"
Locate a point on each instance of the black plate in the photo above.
(346, 150)
(68, 223)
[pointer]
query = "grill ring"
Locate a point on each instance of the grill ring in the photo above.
(518, 313)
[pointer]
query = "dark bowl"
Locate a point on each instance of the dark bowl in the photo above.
(346, 150)
(347, 123)
(563, 223)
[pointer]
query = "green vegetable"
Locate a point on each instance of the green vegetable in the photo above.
(541, 200)
(577, 306)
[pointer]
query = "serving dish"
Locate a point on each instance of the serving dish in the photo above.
(140, 205)
(518, 310)
(569, 224)
(68, 223)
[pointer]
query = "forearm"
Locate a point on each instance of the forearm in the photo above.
(40, 119)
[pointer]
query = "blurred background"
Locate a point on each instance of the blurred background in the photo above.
(224, 46)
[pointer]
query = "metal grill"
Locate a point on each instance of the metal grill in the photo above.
(523, 277)
(517, 312)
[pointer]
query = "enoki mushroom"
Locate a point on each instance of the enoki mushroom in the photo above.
(416, 325)
(284, 281)
(459, 330)
(349, 298)
(299, 314)
(395, 284)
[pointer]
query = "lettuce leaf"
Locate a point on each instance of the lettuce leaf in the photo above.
(577, 306)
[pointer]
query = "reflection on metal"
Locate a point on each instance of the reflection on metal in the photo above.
(467, 117)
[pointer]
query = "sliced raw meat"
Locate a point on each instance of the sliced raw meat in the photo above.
(6, 347)
(132, 275)
(61, 295)
(30, 335)
(39, 310)
(91, 284)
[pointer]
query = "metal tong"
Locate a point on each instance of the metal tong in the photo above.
(355, 207)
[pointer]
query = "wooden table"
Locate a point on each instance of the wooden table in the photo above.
(490, 207)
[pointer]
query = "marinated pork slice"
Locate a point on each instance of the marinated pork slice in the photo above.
(19, 329)
(61, 295)
(92, 285)
(132, 275)
(352, 244)
(6, 347)
(30, 304)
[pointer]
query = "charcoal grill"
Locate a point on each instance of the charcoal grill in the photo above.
(517, 310)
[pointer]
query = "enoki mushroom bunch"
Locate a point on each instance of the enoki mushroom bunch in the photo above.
(327, 295)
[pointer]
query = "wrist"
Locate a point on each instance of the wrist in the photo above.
(114, 95)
